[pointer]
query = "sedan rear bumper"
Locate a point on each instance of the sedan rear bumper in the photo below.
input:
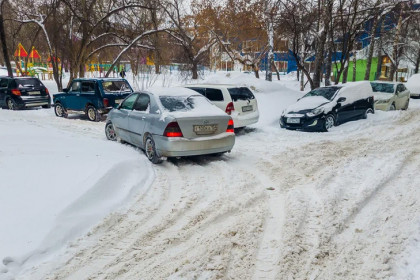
(180, 146)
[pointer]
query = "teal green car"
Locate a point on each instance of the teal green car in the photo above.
(93, 97)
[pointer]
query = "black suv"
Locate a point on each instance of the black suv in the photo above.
(23, 92)
(324, 107)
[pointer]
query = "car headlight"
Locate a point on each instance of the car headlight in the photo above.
(382, 101)
(315, 112)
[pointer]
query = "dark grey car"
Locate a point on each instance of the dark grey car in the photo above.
(171, 122)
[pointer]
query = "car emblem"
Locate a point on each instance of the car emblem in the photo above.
(206, 122)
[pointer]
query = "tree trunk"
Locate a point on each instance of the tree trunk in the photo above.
(319, 58)
(269, 73)
(395, 59)
(194, 70)
(371, 47)
(302, 81)
(354, 65)
(416, 68)
(328, 65)
(345, 71)
(273, 66)
(4, 45)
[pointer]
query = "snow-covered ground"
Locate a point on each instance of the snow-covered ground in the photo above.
(282, 205)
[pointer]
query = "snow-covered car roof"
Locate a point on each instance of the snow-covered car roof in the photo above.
(215, 85)
(413, 83)
(172, 91)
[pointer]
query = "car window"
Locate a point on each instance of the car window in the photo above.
(28, 83)
(400, 88)
(88, 86)
(199, 90)
(214, 94)
(75, 86)
(128, 103)
(383, 87)
(184, 103)
(4, 83)
(241, 93)
(116, 86)
(142, 103)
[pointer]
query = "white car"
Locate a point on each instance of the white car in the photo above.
(390, 96)
(237, 101)
(413, 84)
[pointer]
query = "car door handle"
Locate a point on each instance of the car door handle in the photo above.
(77, 94)
(143, 118)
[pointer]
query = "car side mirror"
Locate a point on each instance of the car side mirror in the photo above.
(341, 100)
(65, 90)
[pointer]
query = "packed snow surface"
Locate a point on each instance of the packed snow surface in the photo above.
(283, 205)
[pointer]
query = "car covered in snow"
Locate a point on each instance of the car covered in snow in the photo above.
(23, 92)
(237, 101)
(171, 122)
(94, 97)
(324, 107)
(413, 85)
(390, 96)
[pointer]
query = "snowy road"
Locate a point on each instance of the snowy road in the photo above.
(282, 205)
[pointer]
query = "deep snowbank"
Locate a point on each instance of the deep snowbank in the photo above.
(57, 182)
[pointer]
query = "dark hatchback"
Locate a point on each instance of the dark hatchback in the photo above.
(325, 107)
(23, 92)
(94, 97)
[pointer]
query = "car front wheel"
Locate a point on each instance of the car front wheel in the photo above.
(60, 111)
(150, 150)
(368, 111)
(110, 132)
(93, 114)
(329, 122)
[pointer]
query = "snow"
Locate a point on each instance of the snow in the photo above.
(283, 205)
(413, 84)
(307, 103)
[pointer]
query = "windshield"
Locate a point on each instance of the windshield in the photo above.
(24, 83)
(326, 92)
(382, 87)
(116, 86)
(183, 103)
(240, 93)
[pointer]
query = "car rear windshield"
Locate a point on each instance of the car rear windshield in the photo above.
(116, 86)
(183, 103)
(382, 87)
(28, 83)
(241, 93)
(326, 92)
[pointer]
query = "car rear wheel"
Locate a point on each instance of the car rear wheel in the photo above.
(110, 132)
(368, 111)
(11, 105)
(60, 111)
(46, 106)
(93, 114)
(329, 122)
(150, 150)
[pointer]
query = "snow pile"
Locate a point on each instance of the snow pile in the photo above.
(57, 183)
(413, 84)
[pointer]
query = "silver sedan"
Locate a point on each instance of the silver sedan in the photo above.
(171, 122)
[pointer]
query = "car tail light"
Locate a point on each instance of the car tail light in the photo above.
(47, 91)
(16, 92)
(106, 102)
(230, 127)
(173, 130)
(230, 108)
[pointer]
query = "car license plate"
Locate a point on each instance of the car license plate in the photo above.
(34, 92)
(205, 129)
(247, 108)
(118, 101)
(293, 120)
